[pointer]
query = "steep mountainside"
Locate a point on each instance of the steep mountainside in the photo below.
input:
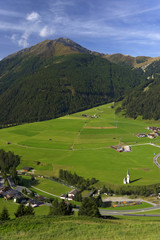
(145, 99)
(58, 77)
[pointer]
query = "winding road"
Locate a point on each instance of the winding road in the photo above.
(130, 212)
(155, 160)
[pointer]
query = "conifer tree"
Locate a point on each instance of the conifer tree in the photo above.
(20, 211)
(23, 211)
(60, 208)
(89, 208)
(4, 214)
(29, 210)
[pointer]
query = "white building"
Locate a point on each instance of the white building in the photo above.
(126, 179)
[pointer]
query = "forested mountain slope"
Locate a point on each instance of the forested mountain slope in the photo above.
(54, 78)
(145, 99)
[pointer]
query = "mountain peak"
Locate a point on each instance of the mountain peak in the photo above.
(57, 47)
(71, 44)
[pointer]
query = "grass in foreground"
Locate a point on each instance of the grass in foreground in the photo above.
(79, 228)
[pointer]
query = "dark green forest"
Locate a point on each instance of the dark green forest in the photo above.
(36, 88)
(144, 100)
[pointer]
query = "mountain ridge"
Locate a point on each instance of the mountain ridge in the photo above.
(64, 46)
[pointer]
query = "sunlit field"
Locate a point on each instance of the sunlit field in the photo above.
(82, 145)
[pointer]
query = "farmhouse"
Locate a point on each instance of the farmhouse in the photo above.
(11, 194)
(19, 199)
(127, 148)
(64, 196)
(72, 194)
(141, 135)
(119, 148)
(26, 169)
(151, 135)
(154, 128)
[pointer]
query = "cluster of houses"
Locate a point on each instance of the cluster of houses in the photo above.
(89, 116)
(18, 197)
(155, 133)
(122, 148)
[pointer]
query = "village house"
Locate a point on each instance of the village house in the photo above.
(20, 199)
(154, 128)
(119, 148)
(11, 194)
(141, 135)
(27, 169)
(127, 148)
(150, 135)
(3, 189)
(64, 196)
(72, 194)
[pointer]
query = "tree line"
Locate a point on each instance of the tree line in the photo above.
(132, 190)
(8, 163)
(75, 180)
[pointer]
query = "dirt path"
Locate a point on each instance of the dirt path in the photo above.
(100, 127)
(45, 192)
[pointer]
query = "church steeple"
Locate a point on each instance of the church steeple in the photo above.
(127, 176)
(126, 179)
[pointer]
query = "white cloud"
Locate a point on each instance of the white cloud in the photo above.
(46, 31)
(9, 13)
(23, 41)
(14, 37)
(34, 16)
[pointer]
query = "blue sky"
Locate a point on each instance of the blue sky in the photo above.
(108, 26)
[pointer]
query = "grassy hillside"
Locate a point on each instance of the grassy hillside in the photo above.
(79, 228)
(133, 62)
(82, 145)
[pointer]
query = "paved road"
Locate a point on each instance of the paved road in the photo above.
(155, 160)
(127, 212)
(11, 182)
(124, 212)
(1, 181)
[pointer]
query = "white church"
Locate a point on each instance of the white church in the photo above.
(126, 179)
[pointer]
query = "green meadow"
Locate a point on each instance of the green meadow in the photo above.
(82, 145)
(80, 228)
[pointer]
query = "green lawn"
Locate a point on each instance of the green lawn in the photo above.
(50, 143)
(51, 186)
